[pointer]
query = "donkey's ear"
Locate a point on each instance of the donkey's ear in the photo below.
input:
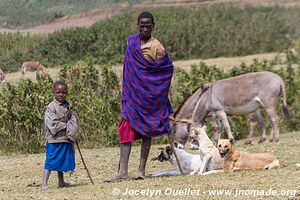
(189, 127)
(205, 86)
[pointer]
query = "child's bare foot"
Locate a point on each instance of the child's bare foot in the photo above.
(44, 187)
(116, 178)
(64, 185)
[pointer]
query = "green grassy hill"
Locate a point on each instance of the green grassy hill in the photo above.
(186, 34)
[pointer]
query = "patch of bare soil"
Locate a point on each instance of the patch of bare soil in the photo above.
(88, 18)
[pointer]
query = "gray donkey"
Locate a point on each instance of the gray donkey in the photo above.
(238, 95)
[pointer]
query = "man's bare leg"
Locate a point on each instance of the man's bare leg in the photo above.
(122, 174)
(145, 149)
(45, 178)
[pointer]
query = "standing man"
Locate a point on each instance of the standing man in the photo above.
(147, 74)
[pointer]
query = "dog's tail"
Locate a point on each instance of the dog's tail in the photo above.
(282, 165)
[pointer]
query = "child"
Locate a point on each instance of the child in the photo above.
(61, 132)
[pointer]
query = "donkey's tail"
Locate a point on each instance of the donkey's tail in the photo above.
(284, 104)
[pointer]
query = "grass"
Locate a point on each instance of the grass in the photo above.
(18, 171)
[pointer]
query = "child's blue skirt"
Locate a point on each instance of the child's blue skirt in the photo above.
(60, 157)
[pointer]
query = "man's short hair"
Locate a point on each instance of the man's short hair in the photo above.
(146, 14)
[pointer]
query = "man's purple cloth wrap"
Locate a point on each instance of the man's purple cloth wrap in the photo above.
(145, 102)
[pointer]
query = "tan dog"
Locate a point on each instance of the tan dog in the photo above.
(33, 66)
(240, 160)
(209, 154)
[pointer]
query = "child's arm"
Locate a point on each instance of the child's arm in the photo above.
(52, 122)
(72, 127)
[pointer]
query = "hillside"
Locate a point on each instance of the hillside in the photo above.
(87, 18)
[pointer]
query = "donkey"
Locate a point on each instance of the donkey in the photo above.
(2, 76)
(33, 66)
(239, 95)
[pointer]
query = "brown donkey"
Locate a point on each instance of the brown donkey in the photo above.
(33, 66)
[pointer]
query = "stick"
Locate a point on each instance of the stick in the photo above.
(173, 149)
(89, 175)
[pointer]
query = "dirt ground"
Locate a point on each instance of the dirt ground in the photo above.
(88, 18)
(21, 176)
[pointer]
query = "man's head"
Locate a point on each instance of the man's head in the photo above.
(145, 25)
(60, 91)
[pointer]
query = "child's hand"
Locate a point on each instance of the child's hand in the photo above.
(71, 138)
(64, 119)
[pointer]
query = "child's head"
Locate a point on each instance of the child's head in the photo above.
(60, 91)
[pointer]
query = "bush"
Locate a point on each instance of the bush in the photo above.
(94, 92)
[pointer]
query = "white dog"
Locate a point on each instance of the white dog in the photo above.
(188, 161)
(211, 161)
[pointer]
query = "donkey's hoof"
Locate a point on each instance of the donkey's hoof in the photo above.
(248, 142)
(262, 140)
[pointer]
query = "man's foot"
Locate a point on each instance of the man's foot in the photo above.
(64, 185)
(139, 176)
(116, 178)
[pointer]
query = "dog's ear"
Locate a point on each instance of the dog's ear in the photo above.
(231, 140)
(175, 144)
(216, 142)
(169, 150)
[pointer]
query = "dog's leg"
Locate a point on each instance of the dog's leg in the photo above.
(203, 166)
(171, 172)
(205, 161)
(274, 164)
(213, 172)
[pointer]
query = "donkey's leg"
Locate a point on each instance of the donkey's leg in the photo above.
(262, 126)
(253, 123)
(275, 131)
(222, 115)
(23, 72)
(215, 127)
